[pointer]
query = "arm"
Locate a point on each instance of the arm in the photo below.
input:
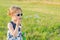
(12, 31)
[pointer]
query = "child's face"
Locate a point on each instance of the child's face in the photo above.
(17, 15)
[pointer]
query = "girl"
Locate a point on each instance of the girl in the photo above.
(14, 26)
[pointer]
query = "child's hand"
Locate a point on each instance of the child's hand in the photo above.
(18, 22)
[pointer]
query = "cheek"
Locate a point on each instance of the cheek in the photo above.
(18, 18)
(15, 18)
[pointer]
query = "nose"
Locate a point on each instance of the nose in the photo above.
(19, 18)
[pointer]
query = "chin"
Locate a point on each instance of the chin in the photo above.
(15, 20)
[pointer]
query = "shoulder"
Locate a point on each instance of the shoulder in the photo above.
(9, 24)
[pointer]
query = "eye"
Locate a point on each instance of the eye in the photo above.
(19, 14)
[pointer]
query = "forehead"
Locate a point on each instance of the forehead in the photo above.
(18, 11)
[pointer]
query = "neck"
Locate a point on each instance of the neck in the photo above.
(14, 21)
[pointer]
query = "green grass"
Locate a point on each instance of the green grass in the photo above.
(41, 21)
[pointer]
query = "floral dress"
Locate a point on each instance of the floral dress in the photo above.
(19, 35)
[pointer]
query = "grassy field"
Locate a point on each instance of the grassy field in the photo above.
(41, 19)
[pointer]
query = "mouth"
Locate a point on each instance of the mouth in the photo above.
(20, 18)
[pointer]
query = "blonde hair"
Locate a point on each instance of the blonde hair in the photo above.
(13, 9)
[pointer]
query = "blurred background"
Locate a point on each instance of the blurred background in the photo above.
(41, 18)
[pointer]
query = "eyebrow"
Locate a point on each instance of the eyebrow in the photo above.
(16, 7)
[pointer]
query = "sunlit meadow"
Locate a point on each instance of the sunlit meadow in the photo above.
(40, 21)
